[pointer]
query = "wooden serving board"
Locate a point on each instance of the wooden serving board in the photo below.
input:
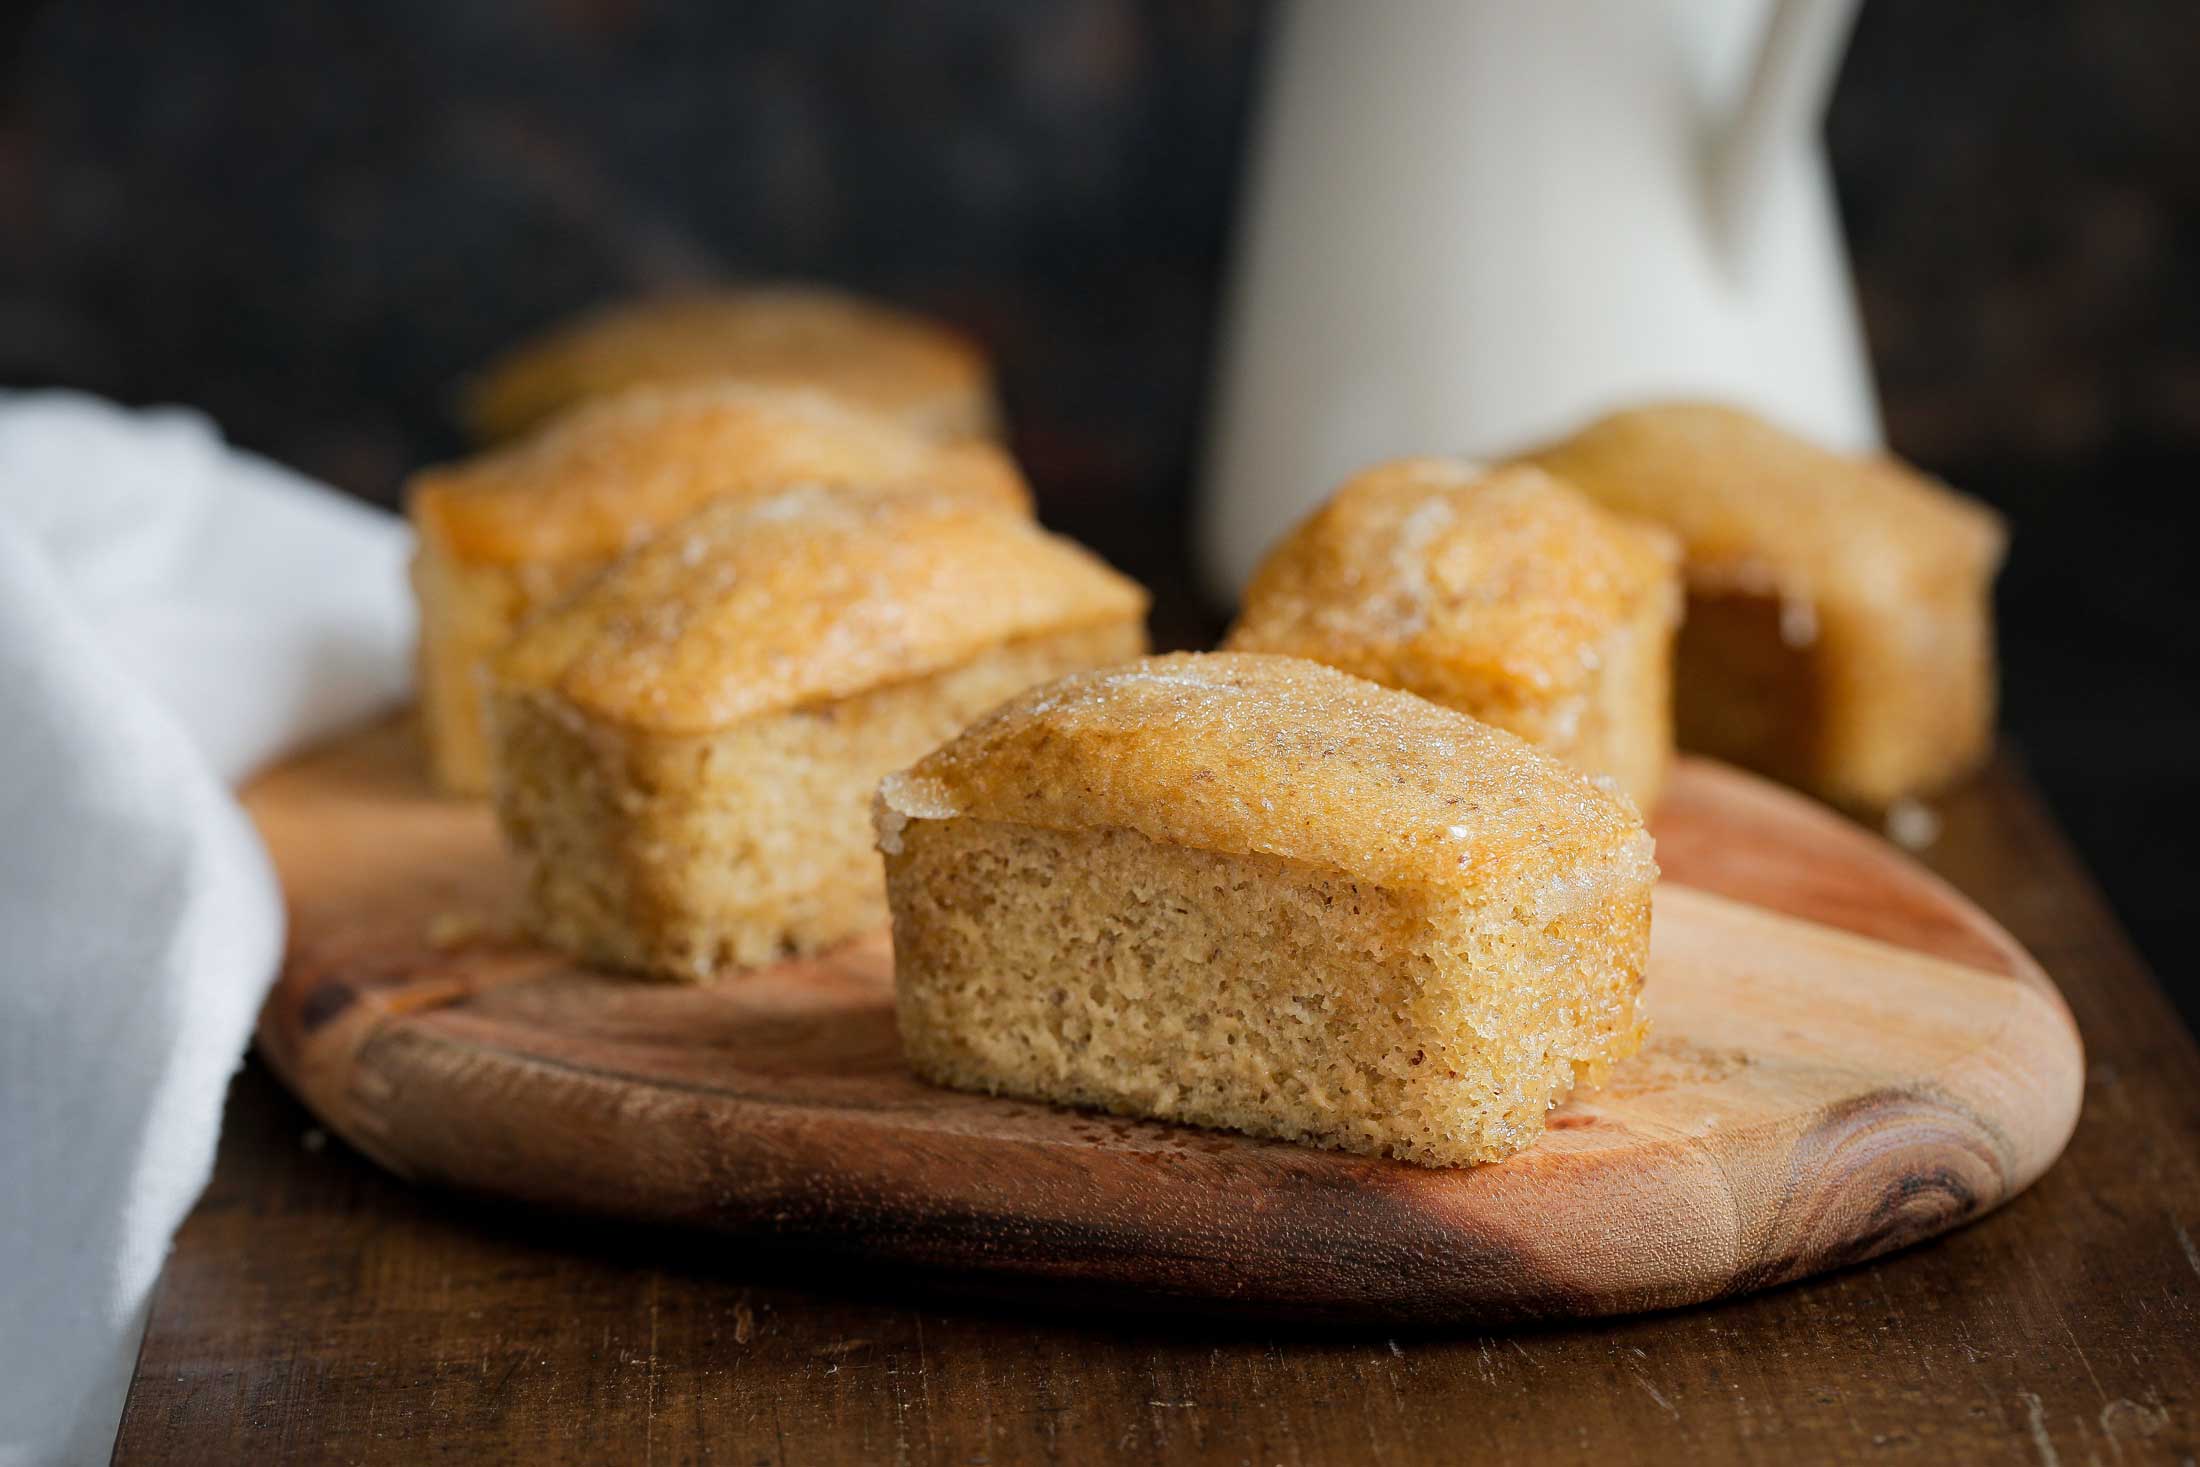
(1847, 1057)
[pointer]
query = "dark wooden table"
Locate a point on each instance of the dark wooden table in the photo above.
(318, 1310)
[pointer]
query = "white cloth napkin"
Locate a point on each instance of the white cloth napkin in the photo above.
(172, 614)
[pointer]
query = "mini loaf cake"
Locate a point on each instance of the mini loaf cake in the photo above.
(1254, 892)
(1839, 631)
(686, 749)
(924, 376)
(1501, 593)
(507, 532)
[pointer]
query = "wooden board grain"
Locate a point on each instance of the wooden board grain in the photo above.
(1813, 1096)
(318, 1309)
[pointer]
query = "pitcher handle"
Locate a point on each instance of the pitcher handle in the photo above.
(1788, 86)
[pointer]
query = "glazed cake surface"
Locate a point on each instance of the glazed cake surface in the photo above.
(1254, 892)
(1502, 593)
(803, 596)
(894, 363)
(599, 479)
(687, 748)
(504, 533)
(1839, 631)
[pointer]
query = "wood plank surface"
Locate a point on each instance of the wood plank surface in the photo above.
(317, 1310)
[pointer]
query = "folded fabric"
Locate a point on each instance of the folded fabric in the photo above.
(173, 613)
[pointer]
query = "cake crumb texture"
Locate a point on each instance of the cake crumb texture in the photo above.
(692, 856)
(1252, 892)
(686, 748)
(1839, 629)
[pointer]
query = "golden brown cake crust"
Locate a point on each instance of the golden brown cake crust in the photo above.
(872, 356)
(1253, 754)
(1840, 620)
(615, 471)
(686, 856)
(809, 594)
(1761, 510)
(1464, 584)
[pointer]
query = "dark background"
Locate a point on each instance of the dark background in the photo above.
(308, 219)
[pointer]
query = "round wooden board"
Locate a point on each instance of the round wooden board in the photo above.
(1816, 1091)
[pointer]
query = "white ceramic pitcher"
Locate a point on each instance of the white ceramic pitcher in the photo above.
(1474, 223)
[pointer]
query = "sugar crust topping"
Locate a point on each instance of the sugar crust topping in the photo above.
(802, 596)
(1460, 582)
(788, 336)
(1765, 512)
(612, 472)
(1260, 754)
